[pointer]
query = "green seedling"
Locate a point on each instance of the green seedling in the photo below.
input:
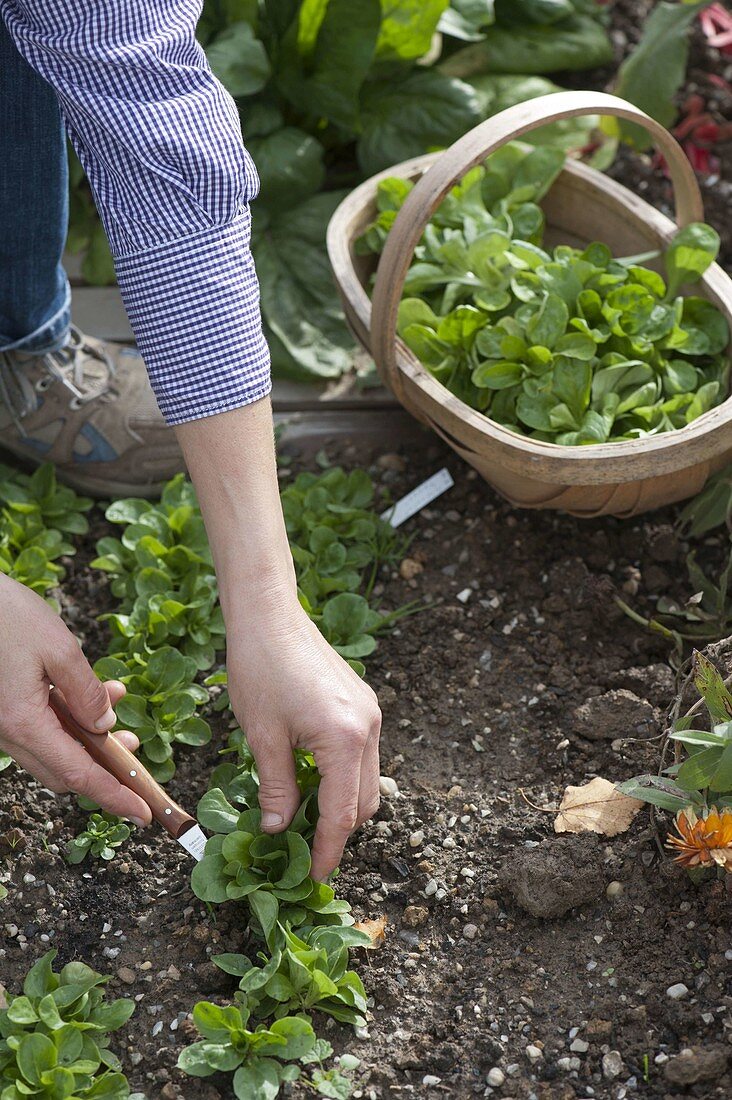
(99, 838)
(260, 1059)
(307, 972)
(54, 1037)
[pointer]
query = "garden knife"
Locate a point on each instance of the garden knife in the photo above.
(107, 751)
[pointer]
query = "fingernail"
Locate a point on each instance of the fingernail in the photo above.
(138, 821)
(106, 721)
(271, 821)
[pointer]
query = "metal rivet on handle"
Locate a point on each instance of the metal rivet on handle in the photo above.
(168, 811)
(133, 772)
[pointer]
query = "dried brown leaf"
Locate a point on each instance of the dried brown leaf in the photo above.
(596, 807)
(374, 929)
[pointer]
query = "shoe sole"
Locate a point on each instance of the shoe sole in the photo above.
(99, 488)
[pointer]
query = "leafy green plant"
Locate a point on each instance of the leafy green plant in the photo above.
(654, 71)
(54, 1037)
(528, 36)
(701, 774)
(271, 872)
(161, 704)
(711, 508)
(100, 837)
(261, 1059)
(36, 517)
(306, 972)
(162, 544)
(570, 347)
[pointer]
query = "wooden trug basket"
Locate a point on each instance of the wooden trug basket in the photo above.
(622, 478)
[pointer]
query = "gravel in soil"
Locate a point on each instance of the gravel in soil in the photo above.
(515, 960)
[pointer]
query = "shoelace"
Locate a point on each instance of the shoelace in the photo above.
(69, 365)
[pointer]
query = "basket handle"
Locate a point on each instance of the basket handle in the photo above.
(471, 149)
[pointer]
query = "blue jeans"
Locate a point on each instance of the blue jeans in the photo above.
(34, 291)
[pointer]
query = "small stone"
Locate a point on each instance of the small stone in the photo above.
(157, 1028)
(410, 568)
(465, 595)
(135, 1058)
(534, 1054)
(677, 992)
(614, 890)
(126, 975)
(430, 888)
(415, 916)
(496, 1077)
(470, 931)
(388, 787)
(28, 878)
(579, 1046)
(429, 1080)
(449, 842)
(416, 838)
(391, 462)
(568, 1064)
(612, 1065)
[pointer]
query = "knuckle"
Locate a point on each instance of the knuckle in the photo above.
(76, 777)
(355, 733)
(345, 819)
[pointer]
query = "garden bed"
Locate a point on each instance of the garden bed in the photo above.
(479, 695)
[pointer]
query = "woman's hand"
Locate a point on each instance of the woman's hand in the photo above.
(37, 650)
(290, 689)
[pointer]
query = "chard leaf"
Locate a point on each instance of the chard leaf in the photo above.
(404, 117)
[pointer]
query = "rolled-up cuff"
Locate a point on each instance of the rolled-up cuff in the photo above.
(193, 305)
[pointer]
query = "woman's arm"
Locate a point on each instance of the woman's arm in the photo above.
(288, 687)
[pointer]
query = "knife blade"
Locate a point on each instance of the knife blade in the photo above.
(112, 755)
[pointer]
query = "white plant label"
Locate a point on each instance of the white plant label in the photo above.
(419, 498)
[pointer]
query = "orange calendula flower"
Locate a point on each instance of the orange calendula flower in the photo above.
(703, 841)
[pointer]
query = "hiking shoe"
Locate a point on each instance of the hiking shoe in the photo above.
(89, 410)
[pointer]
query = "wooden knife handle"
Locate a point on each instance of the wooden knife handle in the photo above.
(112, 755)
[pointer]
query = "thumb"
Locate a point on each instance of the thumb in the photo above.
(87, 697)
(279, 796)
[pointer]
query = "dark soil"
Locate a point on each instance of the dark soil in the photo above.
(502, 938)
(508, 948)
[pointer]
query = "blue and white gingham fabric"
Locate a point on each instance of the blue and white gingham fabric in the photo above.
(161, 143)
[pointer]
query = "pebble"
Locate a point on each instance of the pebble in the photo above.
(430, 888)
(157, 1028)
(416, 838)
(388, 787)
(612, 1065)
(677, 992)
(579, 1046)
(415, 915)
(449, 843)
(534, 1054)
(126, 975)
(496, 1077)
(470, 931)
(568, 1064)
(614, 890)
(28, 878)
(465, 595)
(430, 1080)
